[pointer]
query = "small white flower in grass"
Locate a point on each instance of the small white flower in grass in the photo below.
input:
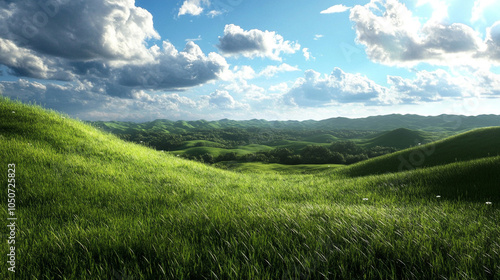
(13, 112)
(365, 198)
(438, 196)
(488, 202)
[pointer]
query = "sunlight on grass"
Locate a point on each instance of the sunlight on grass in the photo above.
(95, 207)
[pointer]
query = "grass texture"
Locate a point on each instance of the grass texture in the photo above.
(91, 206)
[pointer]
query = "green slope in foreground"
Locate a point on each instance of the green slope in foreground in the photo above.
(90, 206)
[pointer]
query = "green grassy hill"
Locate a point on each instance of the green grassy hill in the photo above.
(200, 143)
(198, 151)
(200, 147)
(254, 148)
(295, 146)
(253, 167)
(400, 138)
(476, 144)
(321, 138)
(91, 206)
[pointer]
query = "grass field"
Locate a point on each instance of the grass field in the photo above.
(190, 149)
(212, 148)
(91, 206)
(251, 167)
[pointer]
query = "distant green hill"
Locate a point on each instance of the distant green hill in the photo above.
(380, 123)
(321, 138)
(400, 138)
(475, 144)
(375, 134)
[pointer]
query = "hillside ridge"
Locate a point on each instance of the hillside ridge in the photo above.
(471, 145)
(379, 123)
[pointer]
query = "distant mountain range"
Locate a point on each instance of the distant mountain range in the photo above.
(454, 123)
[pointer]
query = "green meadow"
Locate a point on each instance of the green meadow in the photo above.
(92, 206)
(252, 167)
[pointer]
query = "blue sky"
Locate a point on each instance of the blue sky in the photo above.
(239, 59)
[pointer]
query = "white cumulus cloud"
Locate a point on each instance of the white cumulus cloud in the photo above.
(336, 9)
(172, 69)
(431, 86)
(82, 30)
(307, 55)
(254, 43)
(102, 41)
(271, 70)
(25, 62)
(394, 36)
(221, 99)
(493, 41)
(193, 7)
(316, 90)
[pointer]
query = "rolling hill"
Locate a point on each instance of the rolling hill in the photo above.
(475, 144)
(92, 206)
(400, 138)
(452, 123)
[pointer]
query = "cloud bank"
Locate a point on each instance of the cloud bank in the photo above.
(102, 41)
(103, 59)
(392, 35)
(315, 90)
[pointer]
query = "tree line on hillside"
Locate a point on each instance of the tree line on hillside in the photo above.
(342, 152)
(345, 152)
(232, 137)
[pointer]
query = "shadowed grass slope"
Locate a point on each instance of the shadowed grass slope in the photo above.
(400, 138)
(475, 144)
(91, 206)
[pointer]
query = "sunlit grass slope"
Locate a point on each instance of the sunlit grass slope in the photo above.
(91, 206)
(475, 144)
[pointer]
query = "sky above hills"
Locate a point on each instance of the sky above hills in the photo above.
(242, 59)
